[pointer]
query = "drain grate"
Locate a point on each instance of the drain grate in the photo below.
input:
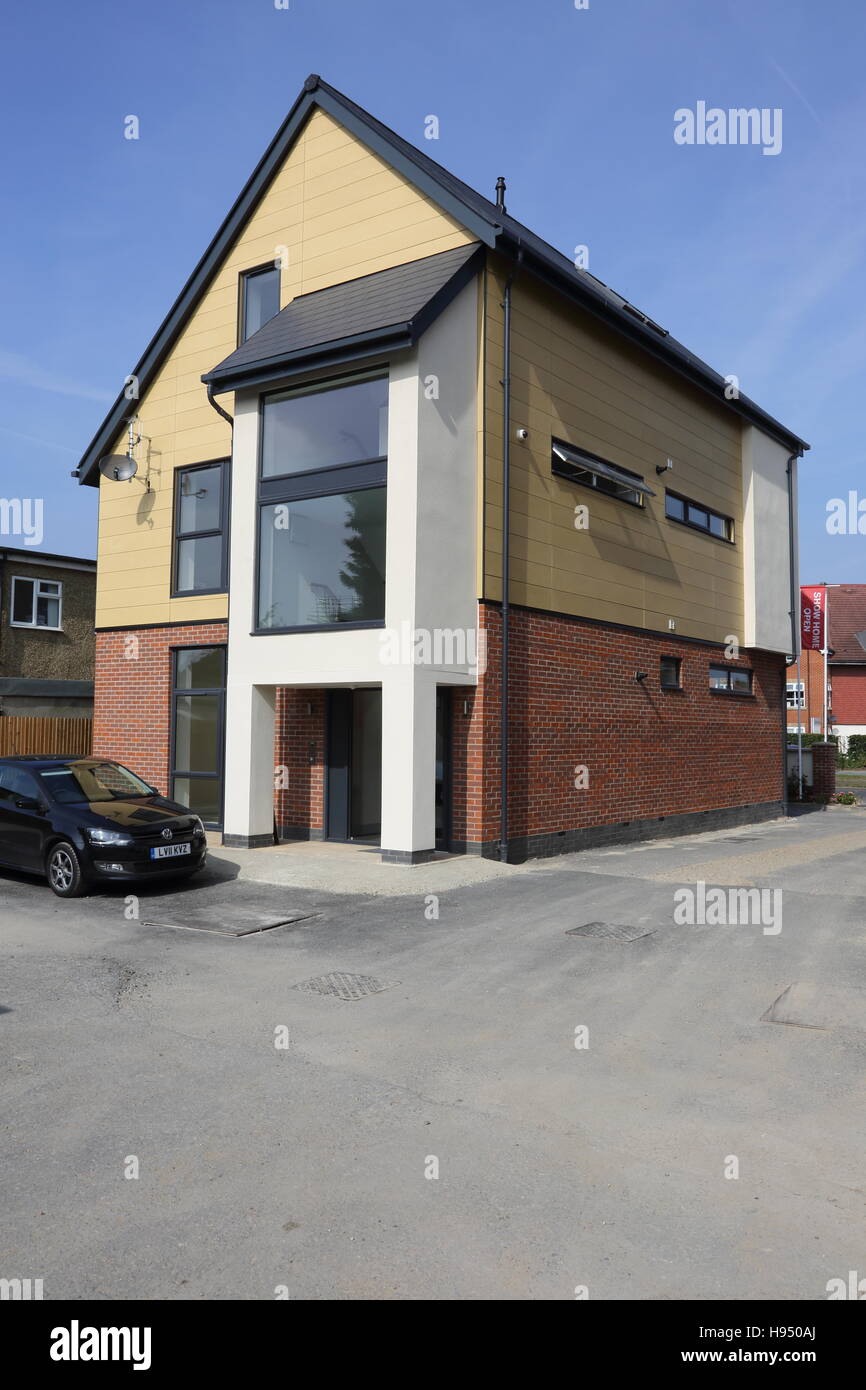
(612, 931)
(341, 985)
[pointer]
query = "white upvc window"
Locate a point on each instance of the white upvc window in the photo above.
(795, 694)
(36, 603)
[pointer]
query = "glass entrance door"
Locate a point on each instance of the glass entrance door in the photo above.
(354, 774)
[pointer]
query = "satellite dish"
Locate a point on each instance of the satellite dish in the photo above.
(118, 467)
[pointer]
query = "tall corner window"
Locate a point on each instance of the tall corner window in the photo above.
(198, 730)
(36, 603)
(258, 299)
(669, 672)
(732, 680)
(578, 466)
(322, 494)
(699, 517)
(201, 529)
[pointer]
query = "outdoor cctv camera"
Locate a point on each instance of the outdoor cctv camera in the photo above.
(522, 434)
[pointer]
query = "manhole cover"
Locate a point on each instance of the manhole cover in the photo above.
(233, 923)
(343, 986)
(612, 931)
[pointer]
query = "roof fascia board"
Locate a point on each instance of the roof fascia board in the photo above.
(40, 561)
(630, 328)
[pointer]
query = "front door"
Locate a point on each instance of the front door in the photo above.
(354, 771)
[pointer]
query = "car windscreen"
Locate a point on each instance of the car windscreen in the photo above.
(78, 782)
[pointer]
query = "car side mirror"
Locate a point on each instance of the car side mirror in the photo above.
(28, 803)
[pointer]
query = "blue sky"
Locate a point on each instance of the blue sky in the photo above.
(757, 263)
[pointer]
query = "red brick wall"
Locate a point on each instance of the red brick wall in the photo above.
(300, 749)
(823, 769)
(649, 752)
(132, 694)
(849, 694)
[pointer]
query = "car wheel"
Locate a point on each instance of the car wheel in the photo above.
(65, 876)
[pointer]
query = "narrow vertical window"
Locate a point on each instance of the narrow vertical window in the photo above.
(200, 529)
(259, 299)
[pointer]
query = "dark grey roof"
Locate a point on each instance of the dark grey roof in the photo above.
(387, 310)
(31, 556)
(482, 218)
(21, 685)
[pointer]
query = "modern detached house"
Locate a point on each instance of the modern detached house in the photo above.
(434, 540)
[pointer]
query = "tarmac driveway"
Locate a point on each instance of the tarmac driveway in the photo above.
(464, 1100)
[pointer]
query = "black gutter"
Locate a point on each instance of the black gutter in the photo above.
(506, 566)
(217, 407)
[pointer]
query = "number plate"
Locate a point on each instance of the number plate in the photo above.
(168, 851)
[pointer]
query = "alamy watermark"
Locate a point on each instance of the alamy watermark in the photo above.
(737, 126)
(729, 907)
(22, 516)
(437, 646)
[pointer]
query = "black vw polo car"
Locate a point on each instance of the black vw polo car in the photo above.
(83, 820)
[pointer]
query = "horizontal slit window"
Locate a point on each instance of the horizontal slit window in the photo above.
(699, 517)
(578, 466)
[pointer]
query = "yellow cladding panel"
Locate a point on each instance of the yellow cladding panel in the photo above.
(334, 211)
(576, 380)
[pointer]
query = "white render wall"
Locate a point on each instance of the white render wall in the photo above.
(430, 568)
(765, 542)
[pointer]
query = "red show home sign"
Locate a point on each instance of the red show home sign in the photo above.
(813, 605)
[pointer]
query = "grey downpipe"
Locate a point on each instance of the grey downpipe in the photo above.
(795, 642)
(506, 564)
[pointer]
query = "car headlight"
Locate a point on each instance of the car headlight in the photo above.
(198, 824)
(107, 837)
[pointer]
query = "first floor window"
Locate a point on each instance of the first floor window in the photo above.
(198, 730)
(733, 679)
(700, 517)
(794, 695)
(579, 466)
(36, 603)
(201, 528)
(322, 560)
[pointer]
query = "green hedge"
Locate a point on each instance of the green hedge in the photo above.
(856, 756)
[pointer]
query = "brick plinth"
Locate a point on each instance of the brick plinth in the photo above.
(649, 753)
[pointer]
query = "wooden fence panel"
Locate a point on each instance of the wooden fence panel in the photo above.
(49, 736)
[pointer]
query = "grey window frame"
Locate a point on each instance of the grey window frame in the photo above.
(269, 266)
(730, 530)
(220, 691)
(222, 531)
(729, 690)
(330, 481)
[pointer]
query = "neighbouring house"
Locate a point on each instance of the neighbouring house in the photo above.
(300, 618)
(846, 669)
(47, 642)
